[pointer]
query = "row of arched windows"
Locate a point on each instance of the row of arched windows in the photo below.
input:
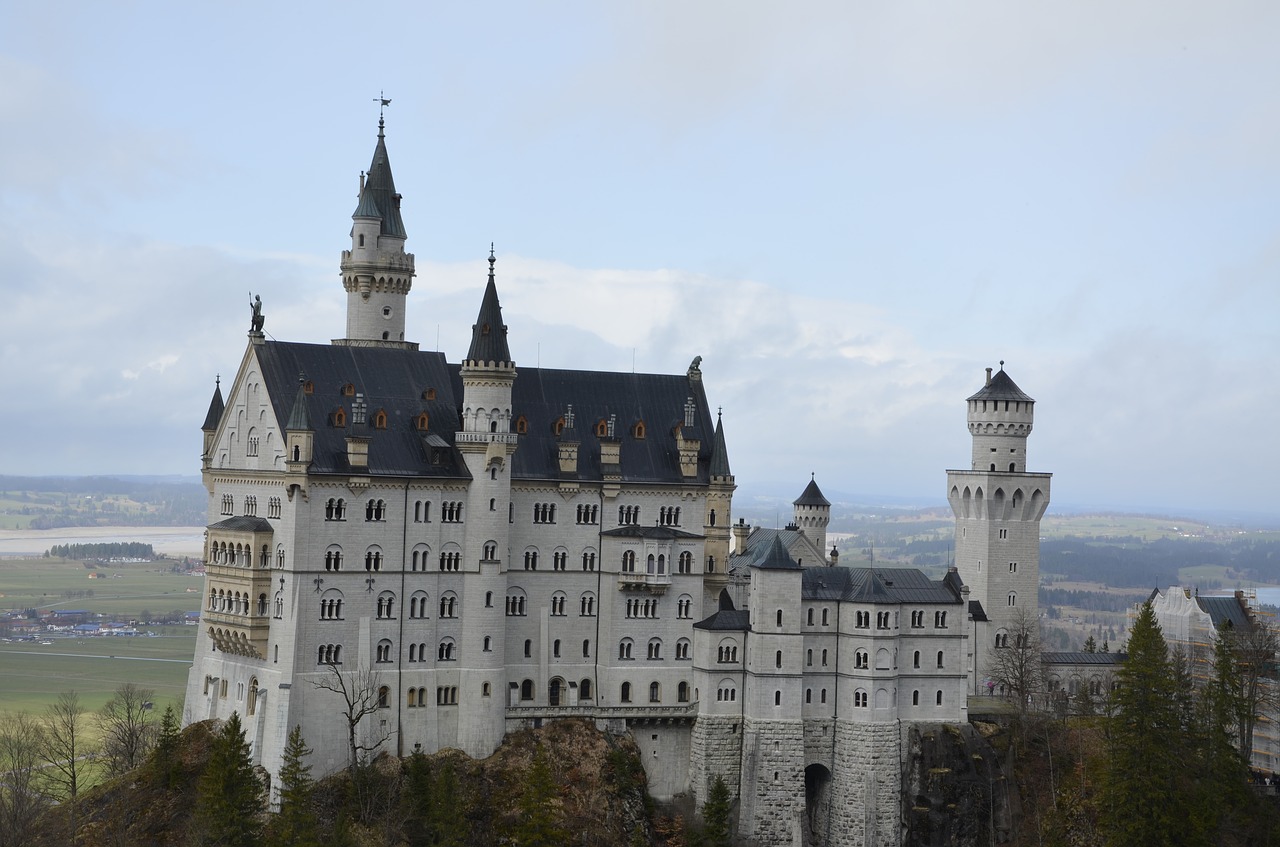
(626, 649)
(235, 602)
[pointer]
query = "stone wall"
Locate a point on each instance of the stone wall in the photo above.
(866, 791)
(773, 807)
(715, 749)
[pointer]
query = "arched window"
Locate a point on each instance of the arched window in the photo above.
(584, 690)
(655, 648)
(526, 690)
(444, 652)
(682, 692)
(383, 653)
(628, 561)
(384, 695)
(655, 693)
(860, 659)
(626, 692)
(386, 605)
(939, 658)
(683, 648)
(624, 648)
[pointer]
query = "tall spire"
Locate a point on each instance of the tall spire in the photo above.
(489, 334)
(214, 415)
(378, 197)
(719, 453)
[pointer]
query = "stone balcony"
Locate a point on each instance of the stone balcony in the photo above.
(654, 583)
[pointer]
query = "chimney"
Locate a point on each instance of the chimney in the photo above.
(988, 376)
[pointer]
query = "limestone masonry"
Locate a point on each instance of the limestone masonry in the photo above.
(470, 548)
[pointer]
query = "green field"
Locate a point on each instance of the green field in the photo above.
(32, 673)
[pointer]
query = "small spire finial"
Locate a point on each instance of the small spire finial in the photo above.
(383, 102)
(1002, 364)
(217, 380)
(492, 261)
(719, 412)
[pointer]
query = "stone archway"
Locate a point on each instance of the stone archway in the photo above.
(817, 804)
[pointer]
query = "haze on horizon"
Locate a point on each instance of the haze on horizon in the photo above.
(848, 211)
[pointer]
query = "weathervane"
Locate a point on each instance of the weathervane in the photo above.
(383, 102)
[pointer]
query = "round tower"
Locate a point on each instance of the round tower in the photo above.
(1000, 419)
(811, 512)
(376, 272)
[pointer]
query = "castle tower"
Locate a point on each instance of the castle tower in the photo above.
(211, 420)
(486, 443)
(811, 513)
(718, 521)
(376, 272)
(998, 505)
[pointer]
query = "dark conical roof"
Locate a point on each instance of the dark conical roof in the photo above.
(719, 455)
(299, 418)
(1002, 387)
(777, 559)
(214, 415)
(489, 334)
(378, 197)
(811, 496)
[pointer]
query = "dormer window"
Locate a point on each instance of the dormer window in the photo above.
(360, 240)
(558, 426)
(484, 329)
(380, 419)
(522, 425)
(308, 387)
(421, 422)
(340, 418)
(602, 428)
(349, 390)
(429, 394)
(637, 431)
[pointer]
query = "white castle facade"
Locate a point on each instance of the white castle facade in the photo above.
(492, 546)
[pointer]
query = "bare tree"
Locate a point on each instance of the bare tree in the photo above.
(67, 748)
(1017, 668)
(21, 758)
(127, 728)
(1254, 649)
(361, 697)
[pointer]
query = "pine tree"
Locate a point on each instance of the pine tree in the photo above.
(715, 815)
(165, 754)
(539, 824)
(295, 825)
(228, 798)
(1143, 771)
(1090, 646)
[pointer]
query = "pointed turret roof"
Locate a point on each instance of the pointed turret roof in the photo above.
(719, 454)
(777, 558)
(812, 495)
(214, 415)
(378, 197)
(299, 418)
(489, 334)
(1002, 387)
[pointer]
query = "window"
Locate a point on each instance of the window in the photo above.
(779, 618)
(915, 698)
(824, 658)
(626, 692)
(777, 659)
(559, 559)
(1004, 534)
(882, 620)
(808, 658)
(684, 607)
(531, 560)
(251, 445)
(685, 563)
(588, 514)
(586, 648)
(938, 699)
(1013, 598)
(863, 620)
(557, 604)
(446, 695)
(273, 507)
(375, 510)
(655, 649)
(490, 552)
(917, 618)
(628, 561)
(825, 621)
(589, 560)
(638, 429)
(373, 559)
(451, 512)
(418, 604)
(330, 654)
(380, 419)
(384, 694)
(860, 699)
(823, 695)
(515, 603)
(386, 605)
(444, 652)
(728, 652)
(1013, 567)
(488, 645)
(682, 692)
(655, 693)
(228, 504)
(331, 606)
(642, 608)
(522, 425)
(777, 700)
(669, 516)
(251, 506)
(528, 648)
(809, 618)
(383, 652)
(587, 605)
(727, 692)
(682, 649)
(624, 648)
(915, 659)
(544, 512)
(449, 605)
(860, 659)
(451, 560)
(584, 690)
(939, 658)
(629, 515)
(808, 696)
(940, 620)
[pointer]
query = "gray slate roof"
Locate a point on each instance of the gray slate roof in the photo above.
(719, 454)
(726, 617)
(1224, 610)
(378, 197)
(489, 333)
(876, 585)
(776, 558)
(1082, 658)
(811, 496)
(214, 415)
(396, 381)
(243, 523)
(1002, 387)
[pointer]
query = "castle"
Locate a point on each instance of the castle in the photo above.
(477, 547)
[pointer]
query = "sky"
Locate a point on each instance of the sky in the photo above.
(848, 209)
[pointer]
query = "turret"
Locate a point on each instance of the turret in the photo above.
(719, 509)
(211, 420)
(811, 514)
(1000, 419)
(376, 272)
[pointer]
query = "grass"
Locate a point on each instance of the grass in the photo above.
(123, 589)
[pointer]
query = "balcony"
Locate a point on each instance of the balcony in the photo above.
(654, 583)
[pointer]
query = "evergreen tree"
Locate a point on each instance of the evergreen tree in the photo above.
(715, 815)
(1141, 801)
(228, 798)
(539, 824)
(1090, 646)
(165, 753)
(295, 825)
(434, 812)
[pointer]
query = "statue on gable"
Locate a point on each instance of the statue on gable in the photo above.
(256, 322)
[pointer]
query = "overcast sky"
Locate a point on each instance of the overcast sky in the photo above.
(847, 209)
